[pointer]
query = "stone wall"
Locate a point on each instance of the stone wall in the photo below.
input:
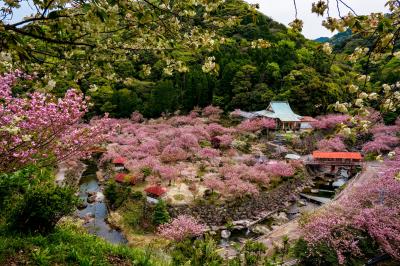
(247, 208)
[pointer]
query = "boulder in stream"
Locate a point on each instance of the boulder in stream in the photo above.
(99, 196)
(88, 217)
(261, 229)
(82, 205)
(225, 234)
(280, 218)
(91, 199)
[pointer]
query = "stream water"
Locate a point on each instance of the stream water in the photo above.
(97, 225)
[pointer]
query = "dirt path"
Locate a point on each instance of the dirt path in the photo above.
(292, 230)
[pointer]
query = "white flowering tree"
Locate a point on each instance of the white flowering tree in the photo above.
(84, 34)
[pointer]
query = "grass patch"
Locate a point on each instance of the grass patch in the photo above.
(179, 197)
(70, 245)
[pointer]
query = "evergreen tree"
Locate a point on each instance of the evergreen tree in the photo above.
(160, 215)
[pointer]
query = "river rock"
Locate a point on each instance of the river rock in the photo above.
(280, 218)
(100, 176)
(274, 227)
(302, 203)
(99, 196)
(225, 234)
(82, 205)
(91, 199)
(88, 217)
(261, 229)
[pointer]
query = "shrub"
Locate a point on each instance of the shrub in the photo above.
(179, 197)
(15, 184)
(197, 253)
(253, 252)
(137, 195)
(117, 194)
(324, 255)
(161, 215)
(40, 208)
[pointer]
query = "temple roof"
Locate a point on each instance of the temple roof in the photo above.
(276, 110)
(283, 111)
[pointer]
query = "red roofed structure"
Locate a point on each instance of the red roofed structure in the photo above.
(119, 160)
(120, 177)
(334, 159)
(156, 191)
(125, 178)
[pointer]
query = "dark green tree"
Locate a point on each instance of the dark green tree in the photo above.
(40, 208)
(160, 215)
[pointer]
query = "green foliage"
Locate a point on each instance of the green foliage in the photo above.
(69, 245)
(117, 194)
(323, 256)
(253, 252)
(40, 208)
(133, 214)
(160, 215)
(13, 185)
(197, 253)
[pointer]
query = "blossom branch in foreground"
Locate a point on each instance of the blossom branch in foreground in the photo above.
(42, 129)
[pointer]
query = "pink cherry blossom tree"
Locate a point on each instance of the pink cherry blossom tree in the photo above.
(167, 173)
(332, 144)
(371, 208)
(212, 112)
(41, 129)
(330, 121)
(278, 169)
(256, 124)
(137, 117)
(181, 227)
(208, 153)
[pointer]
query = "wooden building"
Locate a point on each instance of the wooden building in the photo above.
(283, 114)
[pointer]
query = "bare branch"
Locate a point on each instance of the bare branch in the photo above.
(349, 7)
(295, 7)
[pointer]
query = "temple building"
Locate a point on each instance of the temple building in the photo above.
(285, 118)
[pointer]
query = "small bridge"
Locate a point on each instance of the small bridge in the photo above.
(333, 163)
(334, 159)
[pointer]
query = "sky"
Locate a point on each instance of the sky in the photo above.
(283, 11)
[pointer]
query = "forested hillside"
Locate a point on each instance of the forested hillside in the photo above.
(292, 68)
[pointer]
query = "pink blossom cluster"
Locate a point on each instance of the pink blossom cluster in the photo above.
(372, 208)
(39, 127)
(241, 179)
(384, 138)
(137, 117)
(208, 153)
(212, 112)
(181, 227)
(225, 140)
(330, 121)
(236, 113)
(158, 147)
(278, 169)
(256, 124)
(332, 144)
(173, 153)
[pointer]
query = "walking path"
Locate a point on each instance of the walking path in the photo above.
(292, 230)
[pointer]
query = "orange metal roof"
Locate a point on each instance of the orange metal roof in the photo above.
(337, 155)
